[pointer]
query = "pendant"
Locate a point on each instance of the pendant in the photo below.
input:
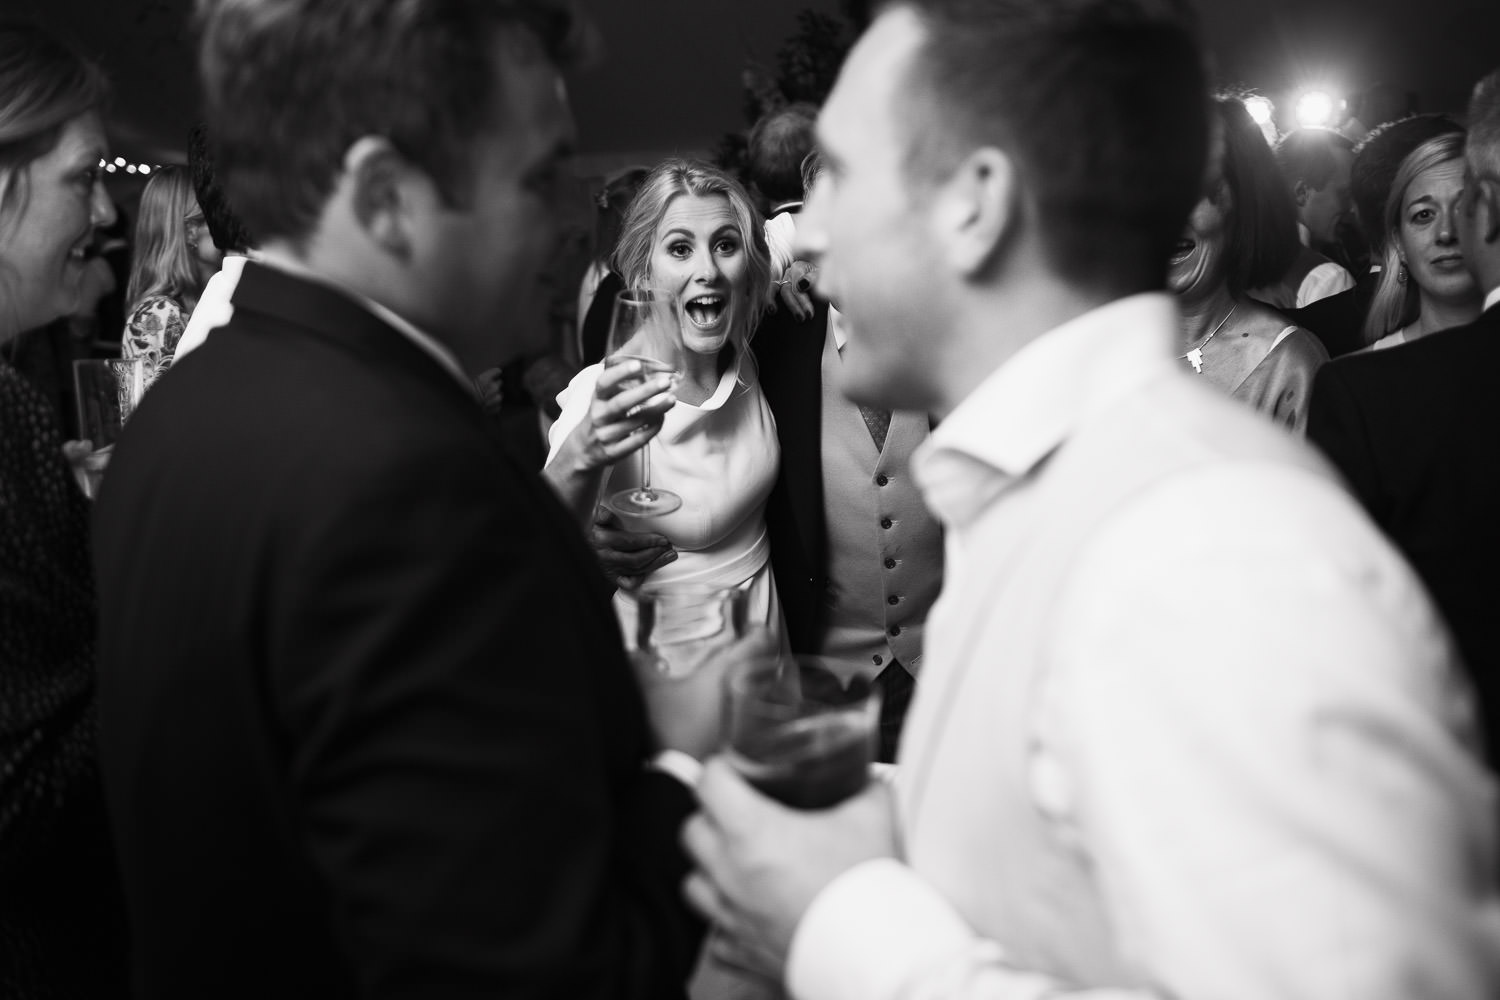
(1195, 358)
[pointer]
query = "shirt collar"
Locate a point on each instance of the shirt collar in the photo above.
(1028, 406)
(425, 342)
(1492, 299)
(836, 327)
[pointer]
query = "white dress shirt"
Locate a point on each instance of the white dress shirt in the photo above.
(1246, 723)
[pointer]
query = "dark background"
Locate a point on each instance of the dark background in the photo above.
(671, 75)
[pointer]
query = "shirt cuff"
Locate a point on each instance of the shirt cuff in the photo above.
(871, 933)
(679, 765)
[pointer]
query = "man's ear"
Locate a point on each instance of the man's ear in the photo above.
(1486, 209)
(975, 209)
(1301, 192)
(384, 189)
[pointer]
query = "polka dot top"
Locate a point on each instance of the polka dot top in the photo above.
(59, 913)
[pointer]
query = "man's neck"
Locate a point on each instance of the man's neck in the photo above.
(996, 325)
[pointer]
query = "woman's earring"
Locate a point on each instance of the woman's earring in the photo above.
(1401, 274)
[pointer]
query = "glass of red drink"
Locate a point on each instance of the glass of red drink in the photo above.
(800, 733)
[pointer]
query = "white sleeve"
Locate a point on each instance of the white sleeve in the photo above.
(1267, 753)
(1279, 805)
(780, 231)
(1322, 281)
(574, 403)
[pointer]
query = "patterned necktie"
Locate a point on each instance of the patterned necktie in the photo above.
(878, 421)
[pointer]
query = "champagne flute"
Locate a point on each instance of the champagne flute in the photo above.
(644, 329)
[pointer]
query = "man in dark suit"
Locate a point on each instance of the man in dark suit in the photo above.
(367, 727)
(1414, 431)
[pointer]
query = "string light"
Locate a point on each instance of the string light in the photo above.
(114, 166)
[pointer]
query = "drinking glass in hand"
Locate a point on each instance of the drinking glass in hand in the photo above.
(108, 391)
(644, 329)
(798, 733)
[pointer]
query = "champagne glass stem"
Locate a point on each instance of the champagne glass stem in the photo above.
(646, 468)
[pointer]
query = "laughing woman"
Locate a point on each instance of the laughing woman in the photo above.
(693, 233)
(62, 921)
(1248, 350)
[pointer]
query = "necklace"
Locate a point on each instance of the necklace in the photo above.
(1195, 356)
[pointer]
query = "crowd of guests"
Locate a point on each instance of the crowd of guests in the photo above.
(1162, 520)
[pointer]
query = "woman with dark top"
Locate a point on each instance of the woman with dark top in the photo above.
(61, 919)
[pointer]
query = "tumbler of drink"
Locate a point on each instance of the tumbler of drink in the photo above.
(671, 629)
(798, 733)
(108, 390)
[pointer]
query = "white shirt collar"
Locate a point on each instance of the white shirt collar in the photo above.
(1492, 299)
(1028, 406)
(434, 348)
(837, 327)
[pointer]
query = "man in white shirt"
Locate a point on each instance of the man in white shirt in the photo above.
(214, 308)
(1159, 750)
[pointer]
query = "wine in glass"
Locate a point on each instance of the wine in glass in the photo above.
(644, 329)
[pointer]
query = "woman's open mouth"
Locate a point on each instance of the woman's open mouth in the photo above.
(1184, 248)
(705, 311)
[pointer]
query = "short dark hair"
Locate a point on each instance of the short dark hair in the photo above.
(290, 84)
(1307, 155)
(1376, 160)
(224, 226)
(1484, 124)
(1102, 106)
(1260, 233)
(778, 144)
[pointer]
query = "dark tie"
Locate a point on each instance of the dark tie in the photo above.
(878, 421)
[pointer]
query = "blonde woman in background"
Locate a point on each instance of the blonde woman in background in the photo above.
(1425, 285)
(172, 259)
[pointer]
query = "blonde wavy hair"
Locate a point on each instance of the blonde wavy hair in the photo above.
(670, 180)
(162, 263)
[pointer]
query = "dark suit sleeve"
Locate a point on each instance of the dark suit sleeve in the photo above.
(1336, 424)
(469, 768)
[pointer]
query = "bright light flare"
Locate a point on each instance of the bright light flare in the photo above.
(1260, 109)
(1315, 109)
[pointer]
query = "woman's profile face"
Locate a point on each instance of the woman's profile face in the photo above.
(698, 257)
(1197, 264)
(1427, 231)
(46, 245)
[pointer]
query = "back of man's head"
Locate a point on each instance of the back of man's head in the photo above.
(1101, 105)
(289, 85)
(1379, 156)
(228, 232)
(1310, 155)
(1480, 222)
(778, 144)
(1483, 150)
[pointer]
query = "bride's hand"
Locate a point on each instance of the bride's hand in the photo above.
(624, 414)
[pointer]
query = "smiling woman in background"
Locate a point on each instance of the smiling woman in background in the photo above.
(693, 233)
(1424, 284)
(1249, 350)
(61, 917)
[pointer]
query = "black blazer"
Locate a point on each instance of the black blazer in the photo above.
(790, 358)
(1339, 320)
(367, 727)
(1416, 430)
